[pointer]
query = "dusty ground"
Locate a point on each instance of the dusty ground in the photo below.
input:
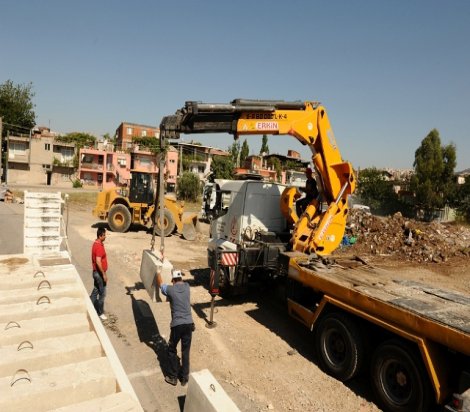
(262, 358)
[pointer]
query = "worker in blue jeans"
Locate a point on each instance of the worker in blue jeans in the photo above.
(182, 326)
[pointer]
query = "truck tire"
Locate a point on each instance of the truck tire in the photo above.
(119, 218)
(168, 223)
(339, 346)
(399, 379)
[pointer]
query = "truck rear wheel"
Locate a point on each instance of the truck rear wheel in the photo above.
(339, 346)
(399, 379)
(168, 223)
(119, 218)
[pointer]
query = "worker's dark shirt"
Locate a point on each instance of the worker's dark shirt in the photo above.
(311, 190)
(178, 295)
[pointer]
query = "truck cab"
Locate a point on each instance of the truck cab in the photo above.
(248, 233)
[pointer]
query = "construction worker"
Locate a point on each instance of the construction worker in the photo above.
(182, 326)
(310, 190)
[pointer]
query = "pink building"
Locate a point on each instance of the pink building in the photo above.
(106, 170)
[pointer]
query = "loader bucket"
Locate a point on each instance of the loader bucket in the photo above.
(189, 226)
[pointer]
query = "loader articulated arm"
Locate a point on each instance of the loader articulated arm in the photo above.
(316, 231)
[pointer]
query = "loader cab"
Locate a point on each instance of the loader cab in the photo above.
(142, 188)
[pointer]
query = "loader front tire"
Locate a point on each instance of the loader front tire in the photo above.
(119, 218)
(168, 223)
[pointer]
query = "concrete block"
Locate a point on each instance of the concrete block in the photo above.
(35, 354)
(118, 402)
(56, 387)
(44, 287)
(41, 328)
(43, 307)
(206, 394)
(151, 261)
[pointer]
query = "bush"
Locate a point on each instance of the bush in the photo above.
(76, 183)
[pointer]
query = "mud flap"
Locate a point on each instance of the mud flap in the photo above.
(150, 264)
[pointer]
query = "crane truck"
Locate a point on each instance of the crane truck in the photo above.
(411, 338)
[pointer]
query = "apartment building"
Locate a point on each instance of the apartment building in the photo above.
(127, 131)
(101, 169)
(39, 159)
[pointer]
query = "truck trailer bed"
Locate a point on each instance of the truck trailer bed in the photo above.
(387, 295)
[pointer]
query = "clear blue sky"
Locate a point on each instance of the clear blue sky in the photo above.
(387, 71)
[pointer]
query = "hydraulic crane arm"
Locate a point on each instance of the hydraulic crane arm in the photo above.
(315, 231)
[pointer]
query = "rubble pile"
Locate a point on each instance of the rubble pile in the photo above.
(405, 239)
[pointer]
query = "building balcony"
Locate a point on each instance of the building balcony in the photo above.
(91, 166)
(18, 158)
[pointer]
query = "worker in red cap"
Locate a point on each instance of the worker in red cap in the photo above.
(310, 190)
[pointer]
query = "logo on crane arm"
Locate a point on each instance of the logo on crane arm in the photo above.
(267, 126)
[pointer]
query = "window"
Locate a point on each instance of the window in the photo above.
(47, 146)
(17, 148)
(144, 133)
(122, 162)
(67, 154)
(172, 160)
(129, 131)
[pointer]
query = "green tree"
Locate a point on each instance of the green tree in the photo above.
(244, 152)
(433, 182)
(234, 151)
(16, 106)
(221, 168)
(188, 187)
(264, 146)
(148, 143)
(376, 191)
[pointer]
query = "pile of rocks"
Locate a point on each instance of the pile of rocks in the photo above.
(403, 238)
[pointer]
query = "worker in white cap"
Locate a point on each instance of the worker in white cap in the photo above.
(182, 326)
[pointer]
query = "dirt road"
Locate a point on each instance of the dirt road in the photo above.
(263, 359)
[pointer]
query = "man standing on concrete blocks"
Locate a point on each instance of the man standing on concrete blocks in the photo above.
(182, 326)
(100, 278)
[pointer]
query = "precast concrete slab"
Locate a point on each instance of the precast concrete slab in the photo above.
(150, 264)
(41, 328)
(206, 394)
(117, 402)
(44, 288)
(56, 387)
(54, 350)
(36, 354)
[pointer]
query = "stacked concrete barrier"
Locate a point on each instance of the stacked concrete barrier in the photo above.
(54, 351)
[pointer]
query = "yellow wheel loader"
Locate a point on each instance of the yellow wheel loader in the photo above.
(122, 207)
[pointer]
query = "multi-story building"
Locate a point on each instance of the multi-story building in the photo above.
(39, 158)
(127, 131)
(103, 169)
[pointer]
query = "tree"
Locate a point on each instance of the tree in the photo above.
(234, 151)
(188, 187)
(264, 146)
(245, 151)
(221, 168)
(433, 182)
(16, 106)
(375, 191)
